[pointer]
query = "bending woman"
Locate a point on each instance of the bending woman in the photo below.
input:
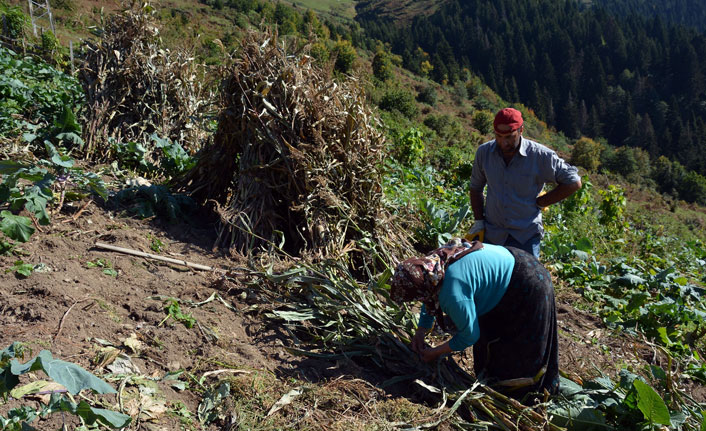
(501, 300)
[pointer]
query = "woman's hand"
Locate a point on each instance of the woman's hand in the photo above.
(418, 343)
(432, 353)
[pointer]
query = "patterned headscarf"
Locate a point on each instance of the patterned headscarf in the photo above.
(420, 278)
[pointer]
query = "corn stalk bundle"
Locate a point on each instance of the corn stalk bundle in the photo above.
(296, 157)
(334, 316)
(134, 87)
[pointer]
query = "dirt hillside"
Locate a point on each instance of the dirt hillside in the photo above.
(76, 307)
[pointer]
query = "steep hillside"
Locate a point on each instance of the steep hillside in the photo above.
(690, 13)
(633, 81)
(267, 340)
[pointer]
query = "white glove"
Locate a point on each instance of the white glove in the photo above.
(478, 225)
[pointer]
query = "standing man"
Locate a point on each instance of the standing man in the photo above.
(515, 170)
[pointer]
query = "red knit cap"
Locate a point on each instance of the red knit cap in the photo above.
(509, 116)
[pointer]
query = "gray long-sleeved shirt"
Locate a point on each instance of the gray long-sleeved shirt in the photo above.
(510, 205)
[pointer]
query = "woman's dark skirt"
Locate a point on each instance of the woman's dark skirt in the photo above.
(517, 353)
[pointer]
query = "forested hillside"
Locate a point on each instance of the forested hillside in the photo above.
(690, 13)
(635, 81)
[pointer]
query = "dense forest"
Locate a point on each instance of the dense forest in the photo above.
(634, 80)
(685, 12)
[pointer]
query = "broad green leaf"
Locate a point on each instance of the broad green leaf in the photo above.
(9, 167)
(71, 138)
(109, 417)
(662, 331)
(66, 121)
(36, 203)
(56, 157)
(23, 269)
(18, 228)
(72, 376)
(29, 137)
(568, 387)
(651, 404)
(584, 244)
(580, 254)
(208, 409)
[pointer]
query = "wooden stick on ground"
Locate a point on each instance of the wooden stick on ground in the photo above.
(153, 256)
(61, 322)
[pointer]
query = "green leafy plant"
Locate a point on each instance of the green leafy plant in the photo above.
(73, 378)
(38, 102)
(612, 205)
(150, 201)
(440, 226)
(14, 21)
(174, 160)
(22, 269)
(105, 265)
(602, 404)
(156, 244)
(173, 310)
(15, 227)
(131, 155)
(409, 148)
(30, 187)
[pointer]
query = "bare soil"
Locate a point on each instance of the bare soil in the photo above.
(72, 308)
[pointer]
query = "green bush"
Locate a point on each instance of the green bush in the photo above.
(14, 21)
(483, 121)
(409, 148)
(612, 207)
(587, 154)
(667, 175)
(345, 56)
(626, 161)
(399, 100)
(320, 52)
(382, 65)
(460, 93)
(427, 95)
(474, 87)
(438, 123)
(692, 188)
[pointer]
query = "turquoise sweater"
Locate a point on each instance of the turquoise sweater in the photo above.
(472, 287)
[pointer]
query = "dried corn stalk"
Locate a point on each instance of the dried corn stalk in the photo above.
(296, 157)
(135, 87)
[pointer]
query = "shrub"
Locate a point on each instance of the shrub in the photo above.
(459, 92)
(345, 56)
(627, 161)
(400, 100)
(14, 21)
(483, 121)
(587, 154)
(320, 52)
(427, 95)
(693, 188)
(474, 87)
(667, 175)
(409, 148)
(382, 65)
(438, 123)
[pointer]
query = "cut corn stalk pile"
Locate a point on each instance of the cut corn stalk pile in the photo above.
(135, 87)
(331, 315)
(296, 159)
